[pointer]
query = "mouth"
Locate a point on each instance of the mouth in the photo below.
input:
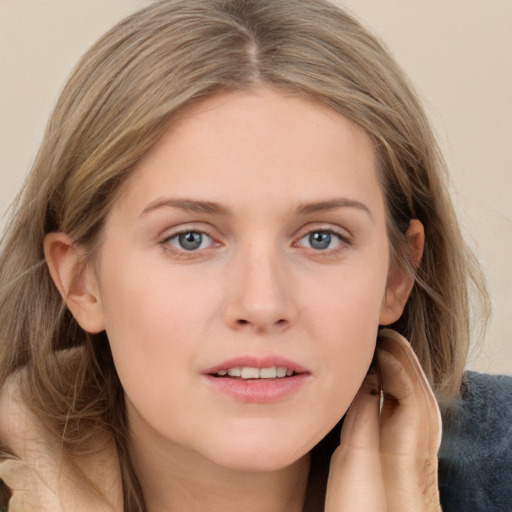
(253, 373)
(257, 380)
(256, 368)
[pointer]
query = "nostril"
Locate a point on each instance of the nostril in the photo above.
(280, 324)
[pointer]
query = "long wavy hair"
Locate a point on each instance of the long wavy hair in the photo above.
(118, 102)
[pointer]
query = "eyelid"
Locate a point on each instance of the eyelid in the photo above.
(345, 239)
(170, 233)
(178, 235)
(343, 233)
(199, 227)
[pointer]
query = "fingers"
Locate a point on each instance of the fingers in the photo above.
(47, 488)
(409, 403)
(388, 462)
(15, 474)
(23, 485)
(410, 428)
(355, 479)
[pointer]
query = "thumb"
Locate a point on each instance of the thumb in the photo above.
(355, 479)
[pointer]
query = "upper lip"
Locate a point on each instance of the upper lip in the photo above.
(257, 362)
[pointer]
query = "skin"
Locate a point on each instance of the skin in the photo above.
(278, 169)
(387, 457)
(34, 472)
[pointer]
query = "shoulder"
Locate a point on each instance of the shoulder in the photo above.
(31, 460)
(475, 458)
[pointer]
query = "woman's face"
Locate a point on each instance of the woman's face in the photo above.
(251, 240)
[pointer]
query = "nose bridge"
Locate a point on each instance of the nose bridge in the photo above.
(260, 288)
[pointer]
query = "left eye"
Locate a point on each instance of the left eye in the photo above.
(190, 241)
(321, 240)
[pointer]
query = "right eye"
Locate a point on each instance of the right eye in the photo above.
(189, 241)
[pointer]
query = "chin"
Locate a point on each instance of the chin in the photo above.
(268, 462)
(257, 454)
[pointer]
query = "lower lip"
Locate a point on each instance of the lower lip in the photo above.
(258, 390)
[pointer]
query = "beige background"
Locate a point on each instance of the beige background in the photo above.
(457, 53)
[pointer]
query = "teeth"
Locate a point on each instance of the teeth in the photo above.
(250, 373)
(281, 371)
(257, 373)
(268, 373)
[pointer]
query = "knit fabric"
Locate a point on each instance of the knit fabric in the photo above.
(475, 458)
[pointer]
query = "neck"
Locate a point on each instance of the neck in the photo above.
(183, 480)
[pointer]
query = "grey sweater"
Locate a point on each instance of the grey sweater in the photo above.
(475, 458)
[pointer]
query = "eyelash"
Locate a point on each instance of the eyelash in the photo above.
(343, 242)
(184, 253)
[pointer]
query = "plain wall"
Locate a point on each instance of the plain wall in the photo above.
(456, 52)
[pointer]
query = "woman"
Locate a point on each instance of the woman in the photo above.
(230, 199)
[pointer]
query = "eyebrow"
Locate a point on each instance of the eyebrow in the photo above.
(212, 208)
(332, 204)
(190, 205)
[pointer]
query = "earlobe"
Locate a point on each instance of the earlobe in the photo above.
(75, 281)
(400, 282)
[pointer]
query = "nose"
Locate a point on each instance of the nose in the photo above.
(260, 295)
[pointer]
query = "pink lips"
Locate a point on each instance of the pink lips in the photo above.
(257, 390)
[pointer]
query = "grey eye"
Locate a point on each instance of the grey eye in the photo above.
(320, 239)
(190, 241)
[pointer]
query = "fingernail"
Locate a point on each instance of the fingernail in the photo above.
(371, 382)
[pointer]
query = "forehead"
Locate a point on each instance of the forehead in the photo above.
(261, 144)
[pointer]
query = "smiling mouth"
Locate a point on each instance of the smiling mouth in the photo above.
(253, 381)
(252, 373)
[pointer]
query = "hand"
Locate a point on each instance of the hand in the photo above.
(28, 489)
(46, 489)
(35, 471)
(387, 458)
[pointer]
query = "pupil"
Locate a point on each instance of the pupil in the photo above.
(320, 240)
(190, 241)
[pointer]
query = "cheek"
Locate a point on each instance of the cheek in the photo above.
(156, 320)
(141, 298)
(344, 320)
(347, 303)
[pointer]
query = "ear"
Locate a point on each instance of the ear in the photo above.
(76, 282)
(400, 283)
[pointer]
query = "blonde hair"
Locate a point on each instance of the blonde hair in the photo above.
(119, 101)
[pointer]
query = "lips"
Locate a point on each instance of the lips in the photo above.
(257, 380)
